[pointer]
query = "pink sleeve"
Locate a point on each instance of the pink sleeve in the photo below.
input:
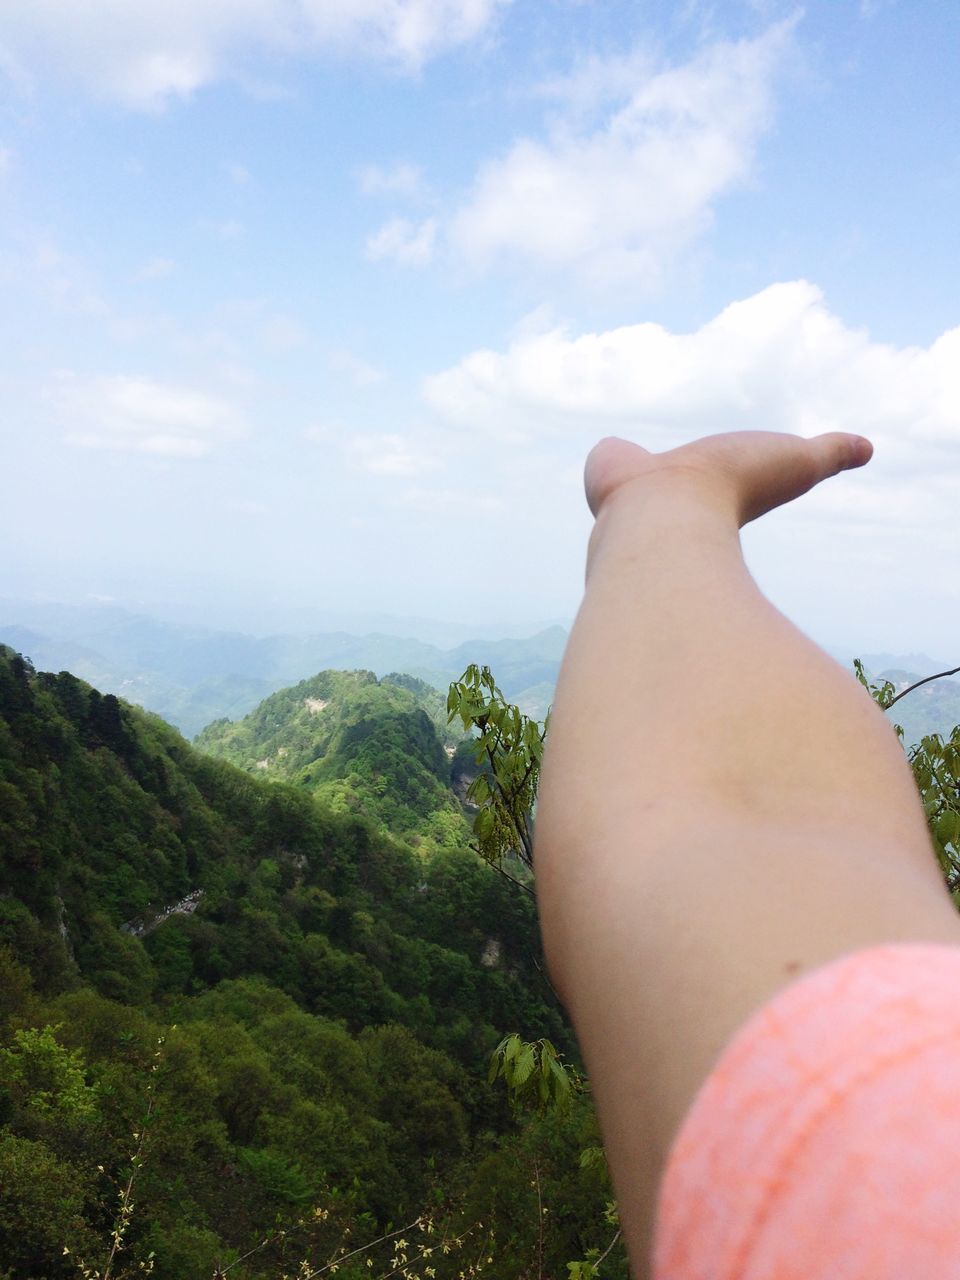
(825, 1143)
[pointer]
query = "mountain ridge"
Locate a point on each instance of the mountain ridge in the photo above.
(192, 676)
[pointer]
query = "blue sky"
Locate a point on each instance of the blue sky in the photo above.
(317, 305)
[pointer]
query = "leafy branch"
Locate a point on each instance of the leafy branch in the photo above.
(508, 748)
(935, 763)
(534, 1074)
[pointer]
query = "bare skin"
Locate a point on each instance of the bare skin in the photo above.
(721, 807)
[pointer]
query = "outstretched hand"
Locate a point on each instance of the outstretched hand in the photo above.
(746, 473)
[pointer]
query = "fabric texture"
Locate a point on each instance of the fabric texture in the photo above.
(826, 1140)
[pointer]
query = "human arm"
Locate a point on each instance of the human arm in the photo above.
(721, 807)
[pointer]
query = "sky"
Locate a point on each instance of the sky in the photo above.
(313, 308)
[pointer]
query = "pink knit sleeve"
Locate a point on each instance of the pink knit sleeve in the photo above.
(825, 1143)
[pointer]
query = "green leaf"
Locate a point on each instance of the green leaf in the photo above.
(947, 828)
(523, 1065)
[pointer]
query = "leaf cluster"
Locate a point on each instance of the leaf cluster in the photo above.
(508, 748)
(534, 1074)
(935, 762)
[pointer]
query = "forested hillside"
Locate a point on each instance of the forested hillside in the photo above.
(281, 1013)
(378, 748)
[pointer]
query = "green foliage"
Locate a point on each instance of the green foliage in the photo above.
(42, 1201)
(45, 1079)
(936, 768)
(935, 762)
(508, 748)
(882, 692)
(540, 1206)
(534, 1074)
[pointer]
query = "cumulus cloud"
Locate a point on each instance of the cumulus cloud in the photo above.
(135, 414)
(633, 166)
(408, 243)
(779, 360)
(145, 54)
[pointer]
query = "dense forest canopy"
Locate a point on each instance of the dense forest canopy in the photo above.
(327, 998)
(361, 745)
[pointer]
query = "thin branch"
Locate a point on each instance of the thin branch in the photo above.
(608, 1248)
(123, 1218)
(925, 680)
(536, 1171)
(519, 883)
(222, 1271)
(336, 1262)
(546, 977)
(457, 1241)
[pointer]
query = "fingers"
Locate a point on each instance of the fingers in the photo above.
(775, 469)
(757, 470)
(842, 452)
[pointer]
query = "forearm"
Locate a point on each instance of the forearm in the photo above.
(685, 688)
(721, 808)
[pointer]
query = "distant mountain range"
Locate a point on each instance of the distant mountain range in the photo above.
(192, 676)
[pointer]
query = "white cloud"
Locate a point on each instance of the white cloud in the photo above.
(6, 158)
(452, 502)
(631, 171)
(408, 243)
(389, 455)
(136, 414)
(144, 54)
(398, 179)
(779, 360)
(352, 367)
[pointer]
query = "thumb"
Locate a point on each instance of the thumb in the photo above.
(609, 463)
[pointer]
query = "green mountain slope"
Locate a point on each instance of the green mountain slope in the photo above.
(109, 819)
(375, 747)
(335, 999)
